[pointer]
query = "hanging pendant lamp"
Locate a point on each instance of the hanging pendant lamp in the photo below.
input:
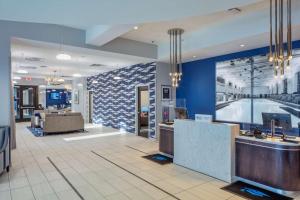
(277, 56)
(175, 55)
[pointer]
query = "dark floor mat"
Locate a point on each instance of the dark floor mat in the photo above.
(37, 132)
(252, 192)
(158, 158)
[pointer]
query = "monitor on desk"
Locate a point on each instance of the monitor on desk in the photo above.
(181, 113)
(281, 120)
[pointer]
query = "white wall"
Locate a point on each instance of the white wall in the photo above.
(162, 78)
(80, 85)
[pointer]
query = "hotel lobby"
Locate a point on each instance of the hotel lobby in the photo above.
(153, 100)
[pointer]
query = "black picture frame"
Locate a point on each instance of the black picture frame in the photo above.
(166, 93)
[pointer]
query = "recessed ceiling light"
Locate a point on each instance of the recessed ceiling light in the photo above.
(135, 27)
(194, 56)
(63, 56)
(117, 78)
(77, 75)
(242, 45)
(17, 78)
(21, 71)
(15, 82)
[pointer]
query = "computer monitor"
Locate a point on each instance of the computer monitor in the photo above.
(282, 120)
(181, 113)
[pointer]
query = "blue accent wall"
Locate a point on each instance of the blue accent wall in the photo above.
(115, 100)
(198, 85)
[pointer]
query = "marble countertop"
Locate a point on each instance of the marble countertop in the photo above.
(270, 140)
(166, 125)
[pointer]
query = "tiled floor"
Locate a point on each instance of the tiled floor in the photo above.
(32, 176)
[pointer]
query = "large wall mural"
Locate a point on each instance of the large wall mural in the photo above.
(114, 100)
(247, 87)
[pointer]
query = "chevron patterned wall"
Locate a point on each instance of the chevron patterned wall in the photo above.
(114, 100)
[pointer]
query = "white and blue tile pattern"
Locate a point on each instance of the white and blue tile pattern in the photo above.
(114, 100)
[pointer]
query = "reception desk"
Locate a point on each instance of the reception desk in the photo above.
(270, 162)
(208, 148)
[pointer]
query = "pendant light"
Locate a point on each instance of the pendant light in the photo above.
(277, 56)
(62, 55)
(175, 55)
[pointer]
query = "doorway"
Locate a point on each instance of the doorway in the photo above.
(143, 111)
(25, 102)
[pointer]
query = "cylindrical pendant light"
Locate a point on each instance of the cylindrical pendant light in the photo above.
(175, 55)
(278, 57)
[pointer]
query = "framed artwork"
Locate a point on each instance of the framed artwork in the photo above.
(166, 93)
(76, 97)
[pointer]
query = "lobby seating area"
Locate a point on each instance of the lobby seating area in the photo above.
(54, 122)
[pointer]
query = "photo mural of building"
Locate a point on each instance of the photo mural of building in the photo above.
(114, 98)
(238, 79)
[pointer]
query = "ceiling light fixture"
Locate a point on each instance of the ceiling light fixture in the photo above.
(17, 78)
(242, 45)
(54, 79)
(15, 82)
(135, 27)
(63, 56)
(175, 55)
(194, 56)
(277, 56)
(21, 71)
(77, 75)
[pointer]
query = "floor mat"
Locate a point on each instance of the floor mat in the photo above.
(158, 158)
(252, 192)
(37, 132)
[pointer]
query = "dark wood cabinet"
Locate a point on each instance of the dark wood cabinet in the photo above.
(272, 164)
(166, 140)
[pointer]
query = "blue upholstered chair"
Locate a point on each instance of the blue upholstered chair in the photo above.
(4, 149)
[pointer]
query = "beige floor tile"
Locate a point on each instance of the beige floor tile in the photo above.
(136, 194)
(5, 195)
(48, 197)
(118, 196)
(19, 182)
(42, 189)
(60, 185)
(24, 193)
(67, 195)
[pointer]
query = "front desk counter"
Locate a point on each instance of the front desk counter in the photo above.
(206, 147)
(269, 162)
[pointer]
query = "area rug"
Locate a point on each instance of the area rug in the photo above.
(252, 192)
(158, 158)
(37, 132)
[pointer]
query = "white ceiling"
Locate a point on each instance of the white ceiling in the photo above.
(210, 30)
(79, 64)
(89, 13)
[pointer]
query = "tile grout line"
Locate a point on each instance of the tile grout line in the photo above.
(166, 192)
(136, 149)
(65, 178)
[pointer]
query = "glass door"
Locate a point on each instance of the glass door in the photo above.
(26, 100)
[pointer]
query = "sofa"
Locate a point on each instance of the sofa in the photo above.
(5, 153)
(61, 122)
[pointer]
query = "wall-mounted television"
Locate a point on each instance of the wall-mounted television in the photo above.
(55, 95)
